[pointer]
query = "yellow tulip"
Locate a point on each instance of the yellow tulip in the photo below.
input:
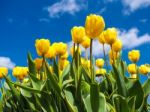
(51, 53)
(61, 48)
(100, 63)
(110, 35)
(132, 68)
(94, 25)
(134, 55)
(3, 72)
(38, 63)
(42, 46)
(87, 64)
(86, 43)
(20, 72)
(72, 50)
(63, 63)
(78, 34)
(144, 69)
(117, 45)
(101, 71)
(65, 56)
(101, 38)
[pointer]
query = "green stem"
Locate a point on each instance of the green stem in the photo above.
(112, 54)
(91, 61)
(77, 61)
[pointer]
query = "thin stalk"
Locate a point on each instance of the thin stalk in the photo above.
(77, 61)
(105, 57)
(73, 50)
(91, 61)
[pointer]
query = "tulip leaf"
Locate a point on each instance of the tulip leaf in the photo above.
(87, 103)
(98, 101)
(122, 90)
(31, 64)
(146, 87)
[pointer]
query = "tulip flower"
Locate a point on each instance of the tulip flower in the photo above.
(51, 53)
(143, 69)
(38, 63)
(117, 45)
(3, 72)
(132, 68)
(100, 63)
(42, 46)
(134, 55)
(78, 34)
(86, 43)
(101, 71)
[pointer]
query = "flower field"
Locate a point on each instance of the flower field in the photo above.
(53, 83)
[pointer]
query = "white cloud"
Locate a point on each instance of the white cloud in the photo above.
(66, 6)
(6, 62)
(133, 5)
(130, 40)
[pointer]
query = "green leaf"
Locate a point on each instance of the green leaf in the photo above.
(137, 91)
(65, 72)
(55, 68)
(146, 87)
(87, 103)
(120, 103)
(98, 102)
(122, 90)
(31, 64)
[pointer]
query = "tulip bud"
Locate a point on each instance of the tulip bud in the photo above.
(51, 53)
(101, 71)
(117, 45)
(144, 69)
(100, 63)
(134, 55)
(86, 43)
(38, 63)
(42, 46)
(64, 56)
(94, 25)
(78, 34)
(101, 38)
(132, 68)
(61, 48)
(110, 35)
(3, 72)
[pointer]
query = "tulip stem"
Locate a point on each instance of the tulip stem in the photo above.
(78, 60)
(105, 57)
(91, 61)
(73, 50)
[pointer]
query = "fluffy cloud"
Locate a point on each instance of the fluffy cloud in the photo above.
(130, 40)
(6, 62)
(132, 5)
(66, 6)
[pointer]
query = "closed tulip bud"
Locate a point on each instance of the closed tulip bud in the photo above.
(100, 63)
(51, 53)
(101, 72)
(83, 61)
(134, 55)
(64, 56)
(86, 43)
(20, 72)
(101, 38)
(61, 48)
(72, 50)
(94, 25)
(144, 69)
(63, 64)
(3, 72)
(38, 63)
(78, 34)
(42, 46)
(110, 35)
(117, 45)
(132, 68)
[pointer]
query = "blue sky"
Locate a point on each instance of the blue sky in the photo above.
(22, 21)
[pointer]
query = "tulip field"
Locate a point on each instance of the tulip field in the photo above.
(52, 82)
